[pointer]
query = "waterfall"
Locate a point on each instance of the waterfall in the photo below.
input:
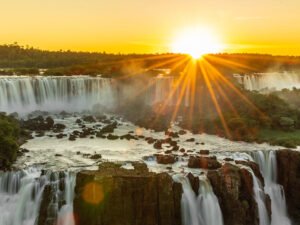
(72, 93)
(268, 165)
(203, 209)
(24, 94)
(21, 193)
(277, 81)
(65, 215)
(260, 199)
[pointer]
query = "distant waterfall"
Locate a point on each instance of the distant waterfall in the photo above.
(203, 209)
(72, 93)
(21, 194)
(268, 166)
(270, 81)
(24, 94)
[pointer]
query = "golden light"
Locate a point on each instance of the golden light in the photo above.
(93, 193)
(196, 42)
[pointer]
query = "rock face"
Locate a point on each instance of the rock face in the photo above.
(288, 163)
(116, 196)
(234, 188)
(203, 162)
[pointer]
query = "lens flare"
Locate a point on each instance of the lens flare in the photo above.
(93, 193)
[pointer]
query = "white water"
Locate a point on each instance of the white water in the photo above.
(24, 94)
(21, 194)
(261, 201)
(75, 93)
(203, 209)
(268, 166)
(275, 81)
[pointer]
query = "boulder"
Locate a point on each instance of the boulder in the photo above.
(204, 152)
(112, 137)
(165, 159)
(116, 196)
(89, 119)
(203, 162)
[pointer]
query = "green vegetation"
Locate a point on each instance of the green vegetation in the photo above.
(277, 137)
(27, 60)
(290, 96)
(9, 134)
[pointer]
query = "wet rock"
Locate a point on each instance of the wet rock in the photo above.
(49, 121)
(89, 119)
(60, 136)
(203, 162)
(190, 140)
(150, 140)
(254, 167)
(204, 152)
(24, 150)
(165, 159)
(125, 197)
(288, 166)
(72, 137)
(40, 134)
(233, 187)
(158, 145)
(128, 137)
(37, 124)
(109, 128)
(100, 135)
(228, 159)
(79, 121)
(172, 134)
(112, 137)
(182, 150)
(58, 127)
(96, 156)
(175, 148)
(182, 132)
(194, 181)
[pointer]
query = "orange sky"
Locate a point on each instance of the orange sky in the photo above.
(143, 26)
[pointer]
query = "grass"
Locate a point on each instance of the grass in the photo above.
(289, 139)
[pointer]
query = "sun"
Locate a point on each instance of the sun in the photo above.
(196, 43)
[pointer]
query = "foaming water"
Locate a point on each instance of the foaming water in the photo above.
(24, 94)
(203, 209)
(21, 194)
(72, 93)
(275, 81)
(268, 165)
(261, 200)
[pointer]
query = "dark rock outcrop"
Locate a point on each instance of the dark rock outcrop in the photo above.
(203, 162)
(116, 196)
(234, 189)
(288, 163)
(165, 159)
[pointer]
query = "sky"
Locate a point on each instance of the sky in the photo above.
(150, 26)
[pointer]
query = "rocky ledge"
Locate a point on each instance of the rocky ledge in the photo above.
(117, 196)
(289, 177)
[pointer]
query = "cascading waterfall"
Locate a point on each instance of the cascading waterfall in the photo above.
(260, 199)
(268, 165)
(277, 81)
(65, 215)
(73, 93)
(24, 94)
(203, 209)
(21, 195)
